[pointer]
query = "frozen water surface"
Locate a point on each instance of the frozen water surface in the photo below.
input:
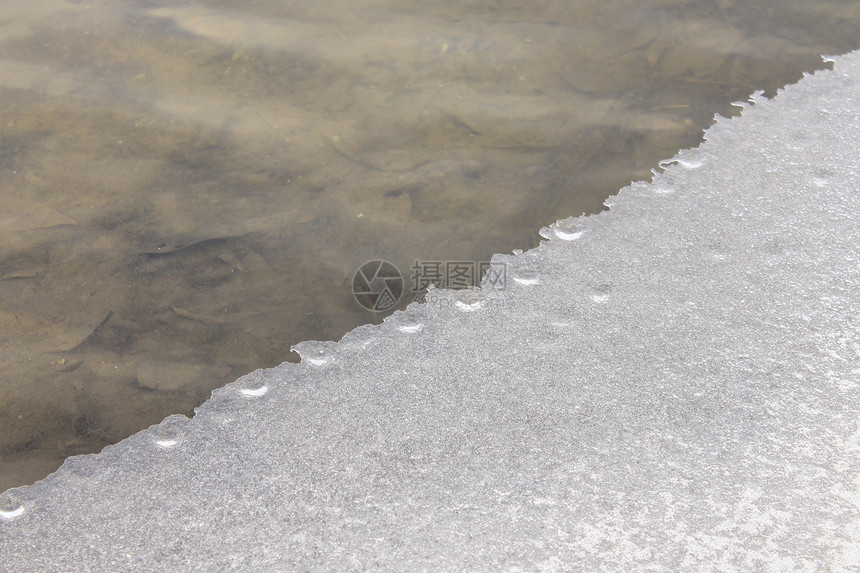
(670, 385)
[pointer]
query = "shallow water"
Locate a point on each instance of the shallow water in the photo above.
(187, 190)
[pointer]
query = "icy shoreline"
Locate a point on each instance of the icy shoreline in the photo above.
(671, 384)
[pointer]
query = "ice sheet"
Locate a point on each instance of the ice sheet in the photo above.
(669, 385)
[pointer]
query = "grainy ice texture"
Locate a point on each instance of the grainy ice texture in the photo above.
(669, 385)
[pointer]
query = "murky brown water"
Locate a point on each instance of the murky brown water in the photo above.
(187, 189)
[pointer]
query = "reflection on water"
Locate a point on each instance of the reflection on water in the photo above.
(186, 190)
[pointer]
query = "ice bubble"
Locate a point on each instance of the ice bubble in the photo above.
(689, 163)
(567, 236)
(166, 442)
(410, 326)
(321, 357)
(525, 275)
(821, 178)
(718, 251)
(167, 434)
(467, 306)
(256, 389)
(12, 513)
(10, 506)
(469, 301)
(601, 293)
(254, 384)
(567, 230)
(685, 163)
(314, 352)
